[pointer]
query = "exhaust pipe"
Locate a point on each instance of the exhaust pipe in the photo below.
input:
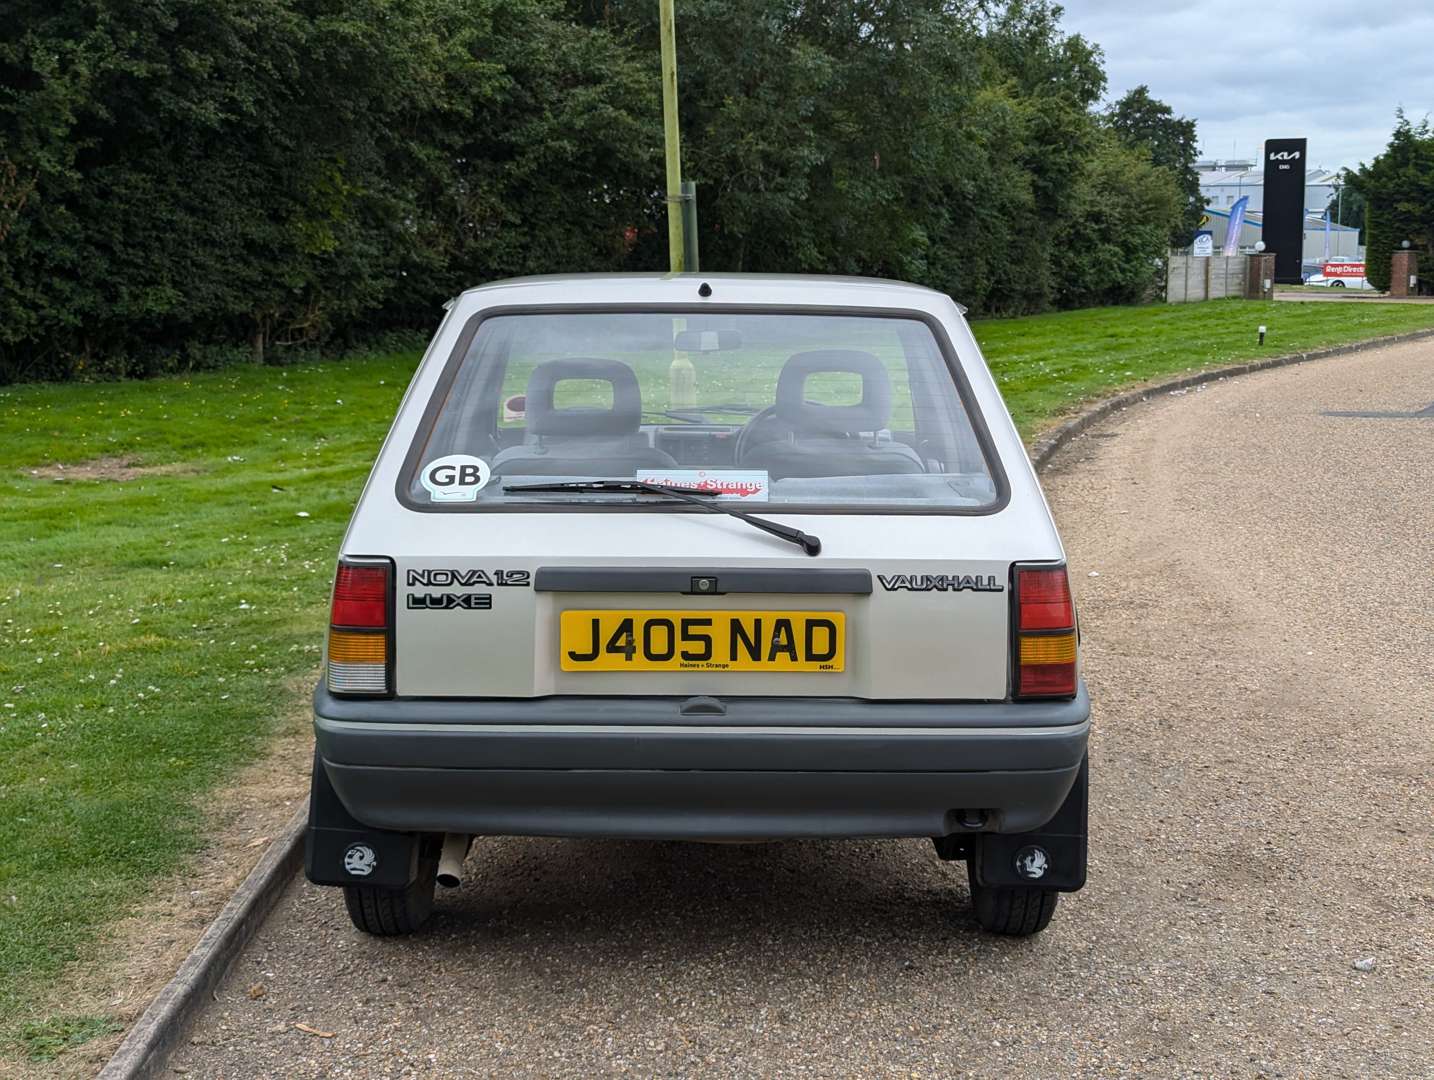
(450, 862)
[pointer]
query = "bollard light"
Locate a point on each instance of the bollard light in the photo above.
(1262, 335)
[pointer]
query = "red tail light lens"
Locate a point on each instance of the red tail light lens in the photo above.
(360, 596)
(1045, 639)
(1044, 595)
(360, 636)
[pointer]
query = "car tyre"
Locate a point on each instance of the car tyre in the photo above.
(393, 912)
(1013, 911)
(1336, 284)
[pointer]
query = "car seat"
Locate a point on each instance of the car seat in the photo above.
(805, 439)
(582, 441)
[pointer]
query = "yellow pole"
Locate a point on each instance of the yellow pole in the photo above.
(667, 30)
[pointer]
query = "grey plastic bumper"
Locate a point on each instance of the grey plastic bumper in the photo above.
(642, 768)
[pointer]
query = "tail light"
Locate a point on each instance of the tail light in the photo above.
(360, 648)
(1045, 638)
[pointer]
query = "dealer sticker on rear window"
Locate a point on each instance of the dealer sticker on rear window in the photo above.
(455, 478)
(732, 485)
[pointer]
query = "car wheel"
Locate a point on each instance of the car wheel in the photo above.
(393, 912)
(1336, 284)
(1013, 911)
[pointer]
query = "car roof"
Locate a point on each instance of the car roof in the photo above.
(740, 288)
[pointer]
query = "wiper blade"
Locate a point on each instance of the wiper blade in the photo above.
(696, 414)
(631, 487)
(696, 496)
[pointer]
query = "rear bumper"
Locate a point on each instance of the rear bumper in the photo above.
(643, 768)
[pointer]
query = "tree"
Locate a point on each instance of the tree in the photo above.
(930, 140)
(1346, 205)
(277, 171)
(1398, 190)
(1143, 121)
(1113, 242)
(185, 182)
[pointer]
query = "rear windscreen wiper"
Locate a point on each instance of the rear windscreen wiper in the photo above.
(696, 414)
(696, 496)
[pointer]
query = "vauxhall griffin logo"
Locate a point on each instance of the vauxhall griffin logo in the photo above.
(360, 859)
(1286, 155)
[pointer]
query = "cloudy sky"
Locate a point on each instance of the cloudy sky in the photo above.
(1250, 70)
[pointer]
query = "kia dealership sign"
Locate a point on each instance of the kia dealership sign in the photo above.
(1284, 219)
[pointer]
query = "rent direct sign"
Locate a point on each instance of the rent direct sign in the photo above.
(1350, 270)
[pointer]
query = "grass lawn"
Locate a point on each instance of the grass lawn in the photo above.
(148, 627)
(154, 605)
(1047, 364)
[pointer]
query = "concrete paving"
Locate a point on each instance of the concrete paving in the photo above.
(1257, 598)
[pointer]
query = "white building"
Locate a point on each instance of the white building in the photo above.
(1323, 239)
(1222, 183)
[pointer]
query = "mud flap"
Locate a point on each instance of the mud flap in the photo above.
(340, 850)
(1051, 857)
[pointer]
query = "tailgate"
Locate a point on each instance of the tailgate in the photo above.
(882, 630)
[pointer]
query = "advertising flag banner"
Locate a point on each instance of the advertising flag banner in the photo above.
(1237, 222)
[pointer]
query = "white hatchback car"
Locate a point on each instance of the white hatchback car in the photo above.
(1344, 281)
(706, 557)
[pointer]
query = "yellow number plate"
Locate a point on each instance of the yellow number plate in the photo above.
(702, 640)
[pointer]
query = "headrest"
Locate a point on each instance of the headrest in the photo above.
(544, 418)
(870, 414)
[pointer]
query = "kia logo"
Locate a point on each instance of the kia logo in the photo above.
(1286, 155)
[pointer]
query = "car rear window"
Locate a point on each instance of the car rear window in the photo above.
(787, 410)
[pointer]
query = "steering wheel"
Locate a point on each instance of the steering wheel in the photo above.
(744, 437)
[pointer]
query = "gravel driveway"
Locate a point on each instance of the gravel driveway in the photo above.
(1257, 592)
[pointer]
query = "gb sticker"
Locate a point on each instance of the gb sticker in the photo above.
(455, 478)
